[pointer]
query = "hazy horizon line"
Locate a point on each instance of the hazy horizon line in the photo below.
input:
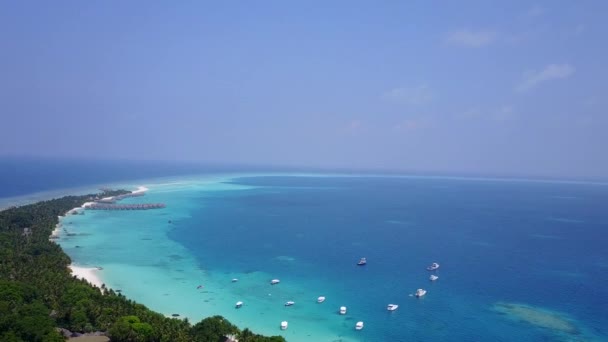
(365, 171)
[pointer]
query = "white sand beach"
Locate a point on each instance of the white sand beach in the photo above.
(57, 231)
(91, 274)
(140, 190)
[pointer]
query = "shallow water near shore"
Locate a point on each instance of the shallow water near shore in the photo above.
(514, 255)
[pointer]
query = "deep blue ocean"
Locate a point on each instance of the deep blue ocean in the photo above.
(520, 260)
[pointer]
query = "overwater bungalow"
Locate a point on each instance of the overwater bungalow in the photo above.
(112, 206)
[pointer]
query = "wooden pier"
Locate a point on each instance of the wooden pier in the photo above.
(113, 206)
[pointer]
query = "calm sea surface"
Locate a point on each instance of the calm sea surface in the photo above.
(519, 260)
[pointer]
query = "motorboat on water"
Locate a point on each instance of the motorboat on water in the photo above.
(359, 325)
(343, 310)
(274, 281)
(392, 307)
(284, 325)
(238, 304)
(362, 262)
(234, 280)
(433, 277)
(289, 303)
(433, 267)
(420, 292)
(320, 299)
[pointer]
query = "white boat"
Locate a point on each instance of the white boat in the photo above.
(284, 325)
(238, 304)
(392, 307)
(320, 299)
(290, 303)
(359, 325)
(433, 267)
(234, 280)
(433, 277)
(362, 262)
(420, 293)
(343, 310)
(274, 281)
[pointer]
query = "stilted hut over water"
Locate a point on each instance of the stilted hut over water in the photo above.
(112, 206)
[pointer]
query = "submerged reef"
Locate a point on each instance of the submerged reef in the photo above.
(555, 321)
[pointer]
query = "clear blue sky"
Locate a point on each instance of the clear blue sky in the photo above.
(486, 87)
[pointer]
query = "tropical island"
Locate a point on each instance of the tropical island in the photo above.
(40, 300)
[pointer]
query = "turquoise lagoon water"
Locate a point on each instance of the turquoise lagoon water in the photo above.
(519, 260)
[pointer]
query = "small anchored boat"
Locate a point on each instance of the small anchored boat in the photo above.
(320, 299)
(392, 307)
(359, 325)
(289, 303)
(234, 280)
(420, 292)
(274, 281)
(343, 310)
(433, 277)
(433, 267)
(238, 304)
(284, 325)
(362, 262)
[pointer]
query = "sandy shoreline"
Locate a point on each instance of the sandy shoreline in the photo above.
(90, 274)
(140, 190)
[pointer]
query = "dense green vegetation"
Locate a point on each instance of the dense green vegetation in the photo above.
(38, 293)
